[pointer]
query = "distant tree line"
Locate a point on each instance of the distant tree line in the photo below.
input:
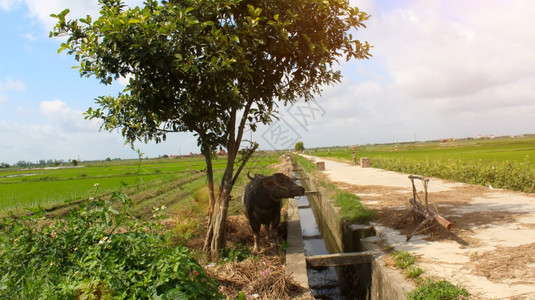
(40, 163)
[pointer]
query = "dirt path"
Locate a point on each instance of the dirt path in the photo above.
(491, 250)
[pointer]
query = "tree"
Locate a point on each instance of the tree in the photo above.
(211, 67)
(299, 146)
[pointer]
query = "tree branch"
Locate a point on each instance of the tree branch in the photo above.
(243, 120)
(244, 162)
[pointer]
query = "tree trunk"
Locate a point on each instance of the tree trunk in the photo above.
(210, 182)
(215, 238)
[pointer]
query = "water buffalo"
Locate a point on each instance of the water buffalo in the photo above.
(262, 200)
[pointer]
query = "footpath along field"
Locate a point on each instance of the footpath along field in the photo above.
(507, 163)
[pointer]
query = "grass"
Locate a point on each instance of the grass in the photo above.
(403, 259)
(427, 289)
(351, 208)
(306, 164)
(432, 290)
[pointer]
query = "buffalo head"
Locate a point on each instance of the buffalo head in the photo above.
(278, 185)
(261, 201)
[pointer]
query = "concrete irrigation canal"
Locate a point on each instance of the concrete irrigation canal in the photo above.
(490, 252)
(329, 257)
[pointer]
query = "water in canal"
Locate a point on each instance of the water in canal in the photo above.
(329, 282)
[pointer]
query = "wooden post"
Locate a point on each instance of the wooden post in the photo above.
(365, 162)
(320, 166)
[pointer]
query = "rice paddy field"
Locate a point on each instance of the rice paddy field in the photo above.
(501, 162)
(150, 182)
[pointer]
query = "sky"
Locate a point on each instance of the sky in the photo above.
(440, 69)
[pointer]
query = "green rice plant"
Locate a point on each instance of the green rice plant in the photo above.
(28, 189)
(507, 175)
(432, 290)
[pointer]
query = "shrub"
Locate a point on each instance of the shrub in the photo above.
(96, 251)
(299, 146)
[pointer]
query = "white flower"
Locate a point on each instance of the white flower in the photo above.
(103, 240)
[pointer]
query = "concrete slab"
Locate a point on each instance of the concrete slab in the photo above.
(295, 254)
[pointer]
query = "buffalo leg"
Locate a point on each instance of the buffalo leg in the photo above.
(268, 235)
(256, 235)
(276, 220)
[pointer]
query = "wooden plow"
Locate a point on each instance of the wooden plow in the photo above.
(420, 210)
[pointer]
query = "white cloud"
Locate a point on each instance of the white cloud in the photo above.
(124, 80)
(439, 69)
(9, 4)
(30, 36)
(23, 110)
(65, 118)
(12, 85)
(442, 48)
(55, 106)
